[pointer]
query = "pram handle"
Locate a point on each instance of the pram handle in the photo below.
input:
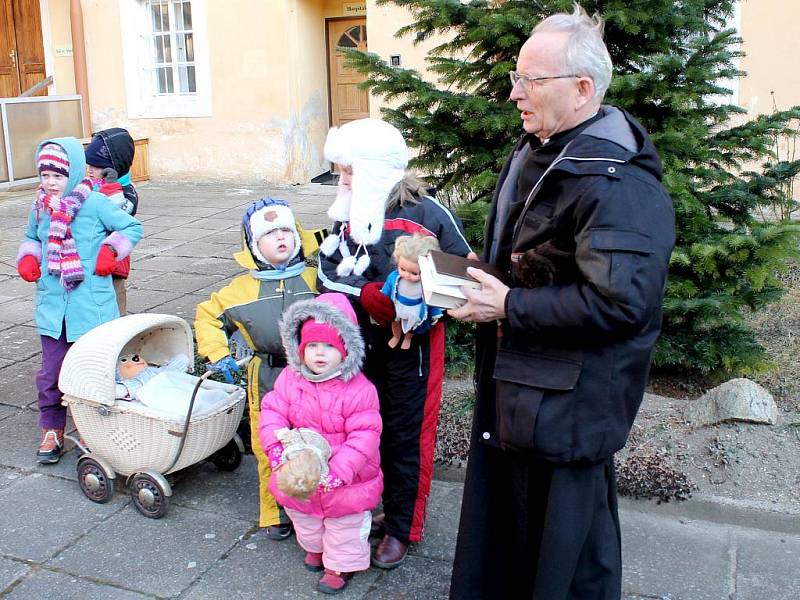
(241, 362)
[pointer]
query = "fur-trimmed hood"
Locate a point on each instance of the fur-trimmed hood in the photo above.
(333, 309)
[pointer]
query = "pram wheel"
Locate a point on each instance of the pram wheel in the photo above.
(229, 457)
(96, 484)
(148, 496)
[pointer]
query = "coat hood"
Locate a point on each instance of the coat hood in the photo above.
(631, 141)
(77, 159)
(120, 148)
(333, 309)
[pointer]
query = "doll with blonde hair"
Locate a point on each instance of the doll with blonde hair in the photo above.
(404, 288)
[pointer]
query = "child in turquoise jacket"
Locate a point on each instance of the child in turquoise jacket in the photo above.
(72, 242)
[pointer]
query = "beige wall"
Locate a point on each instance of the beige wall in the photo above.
(268, 69)
(56, 16)
(269, 109)
(771, 32)
(383, 22)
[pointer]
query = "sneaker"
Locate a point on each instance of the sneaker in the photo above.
(313, 561)
(333, 582)
(51, 446)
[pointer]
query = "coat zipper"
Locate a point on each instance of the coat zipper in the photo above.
(560, 158)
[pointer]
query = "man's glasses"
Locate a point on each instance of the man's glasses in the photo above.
(516, 77)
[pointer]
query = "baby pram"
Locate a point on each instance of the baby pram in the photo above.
(132, 439)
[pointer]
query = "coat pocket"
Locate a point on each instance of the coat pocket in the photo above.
(522, 382)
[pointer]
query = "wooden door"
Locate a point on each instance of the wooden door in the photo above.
(9, 75)
(348, 102)
(30, 51)
(21, 48)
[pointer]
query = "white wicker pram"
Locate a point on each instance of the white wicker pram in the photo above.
(129, 438)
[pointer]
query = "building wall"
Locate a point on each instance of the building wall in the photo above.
(771, 33)
(269, 90)
(268, 66)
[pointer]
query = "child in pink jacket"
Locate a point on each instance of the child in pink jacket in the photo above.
(323, 389)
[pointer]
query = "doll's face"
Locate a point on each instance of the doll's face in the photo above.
(277, 246)
(130, 365)
(321, 357)
(53, 183)
(407, 270)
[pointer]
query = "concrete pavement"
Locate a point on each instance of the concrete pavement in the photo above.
(56, 544)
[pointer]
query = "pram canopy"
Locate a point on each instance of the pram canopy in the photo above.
(89, 368)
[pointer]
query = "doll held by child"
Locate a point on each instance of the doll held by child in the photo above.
(403, 287)
(304, 462)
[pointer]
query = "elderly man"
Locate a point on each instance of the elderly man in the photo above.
(584, 228)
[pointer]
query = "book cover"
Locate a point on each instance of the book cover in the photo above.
(451, 269)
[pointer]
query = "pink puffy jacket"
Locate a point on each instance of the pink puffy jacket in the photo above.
(344, 410)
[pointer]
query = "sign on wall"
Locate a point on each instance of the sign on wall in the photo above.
(353, 9)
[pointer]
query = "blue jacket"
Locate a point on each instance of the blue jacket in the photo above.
(93, 302)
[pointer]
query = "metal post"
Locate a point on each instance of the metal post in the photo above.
(79, 63)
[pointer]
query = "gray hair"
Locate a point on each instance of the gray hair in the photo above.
(586, 53)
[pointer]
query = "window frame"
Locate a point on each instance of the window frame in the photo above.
(139, 63)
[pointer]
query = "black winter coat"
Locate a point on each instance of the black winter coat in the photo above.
(565, 378)
(121, 149)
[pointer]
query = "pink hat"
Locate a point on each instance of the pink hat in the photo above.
(314, 331)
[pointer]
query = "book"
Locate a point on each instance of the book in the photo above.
(443, 275)
(434, 294)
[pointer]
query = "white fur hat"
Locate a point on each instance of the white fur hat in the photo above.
(378, 155)
(267, 215)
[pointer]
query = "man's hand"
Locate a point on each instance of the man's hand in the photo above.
(485, 304)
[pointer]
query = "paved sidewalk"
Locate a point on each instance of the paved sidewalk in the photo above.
(57, 544)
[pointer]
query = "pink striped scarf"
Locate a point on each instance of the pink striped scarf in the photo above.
(62, 254)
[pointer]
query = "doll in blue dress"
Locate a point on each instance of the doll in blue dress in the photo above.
(403, 287)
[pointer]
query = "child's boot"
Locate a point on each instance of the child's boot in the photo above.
(282, 530)
(51, 446)
(333, 582)
(313, 561)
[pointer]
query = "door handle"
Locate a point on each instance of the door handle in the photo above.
(13, 56)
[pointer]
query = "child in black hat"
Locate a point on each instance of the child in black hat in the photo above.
(109, 157)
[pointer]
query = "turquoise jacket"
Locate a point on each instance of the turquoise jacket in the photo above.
(98, 222)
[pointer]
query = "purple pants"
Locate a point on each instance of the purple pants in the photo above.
(52, 414)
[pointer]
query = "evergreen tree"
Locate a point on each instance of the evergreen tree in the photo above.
(669, 61)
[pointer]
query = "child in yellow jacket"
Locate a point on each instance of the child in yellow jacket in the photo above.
(252, 304)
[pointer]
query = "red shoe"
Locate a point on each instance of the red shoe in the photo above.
(333, 582)
(313, 561)
(51, 447)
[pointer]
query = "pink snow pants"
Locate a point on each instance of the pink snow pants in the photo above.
(342, 540)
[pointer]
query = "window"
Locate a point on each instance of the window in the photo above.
(173, 72)
(166, 58)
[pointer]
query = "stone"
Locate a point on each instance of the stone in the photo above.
(735, 400)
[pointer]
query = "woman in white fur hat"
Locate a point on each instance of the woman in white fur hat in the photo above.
(376, 203)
